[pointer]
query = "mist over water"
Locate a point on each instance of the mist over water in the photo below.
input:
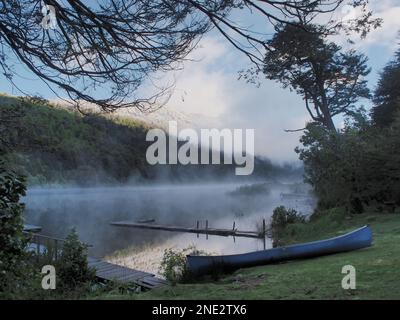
(90, 211)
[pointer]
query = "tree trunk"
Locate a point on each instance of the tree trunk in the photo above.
(328, 121)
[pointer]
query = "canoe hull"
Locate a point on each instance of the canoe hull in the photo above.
(357, 239)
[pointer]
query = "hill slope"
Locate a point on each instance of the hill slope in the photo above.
(54, 145)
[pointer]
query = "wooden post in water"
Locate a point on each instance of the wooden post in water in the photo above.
(264, 233)
(206, 229)
(198, 228)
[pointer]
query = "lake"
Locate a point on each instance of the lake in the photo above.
(90, 211)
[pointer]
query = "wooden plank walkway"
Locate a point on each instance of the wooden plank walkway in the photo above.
(104, 270)
(210, 231)
(112, 272)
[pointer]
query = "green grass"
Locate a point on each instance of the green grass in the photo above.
(377, 267)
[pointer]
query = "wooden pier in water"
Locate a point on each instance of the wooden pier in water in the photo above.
(198, 230)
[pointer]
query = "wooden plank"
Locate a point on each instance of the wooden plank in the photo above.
(135, 273)
(109, 271)
(104, 267)
(121, 273)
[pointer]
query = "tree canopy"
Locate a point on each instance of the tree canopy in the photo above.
(387, 94)
(104, 51)
(329, 81)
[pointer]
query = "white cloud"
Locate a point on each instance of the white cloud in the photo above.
(208, 89)
(201, 86)
(386, 36)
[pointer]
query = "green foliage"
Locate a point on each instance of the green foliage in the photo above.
(12, 239)
(359, 166)
(173, 266)
(330, 81)
(280, 219)
(73, 270)
(54, 145)
(51, 144)
(387, 94)
(356, 168)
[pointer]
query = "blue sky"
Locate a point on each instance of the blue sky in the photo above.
(208, 90)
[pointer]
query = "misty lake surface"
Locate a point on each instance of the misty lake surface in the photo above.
(90, 211)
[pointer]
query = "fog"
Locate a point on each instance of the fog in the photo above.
(90, 211)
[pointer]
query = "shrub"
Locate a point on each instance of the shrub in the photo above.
(12, 239)
(73, 270)
(281, 218)
(173, 266)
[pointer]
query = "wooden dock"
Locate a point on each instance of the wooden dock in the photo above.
(40, 245)
(208, 231)
(112, 272)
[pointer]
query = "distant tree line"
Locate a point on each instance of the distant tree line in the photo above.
(53, 145)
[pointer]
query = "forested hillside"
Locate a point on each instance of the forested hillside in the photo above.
(50, 144)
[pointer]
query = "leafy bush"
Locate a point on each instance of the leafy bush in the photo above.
(387, 94)
(12, 239)
(173, 266)
(280, 219)
(73, 270)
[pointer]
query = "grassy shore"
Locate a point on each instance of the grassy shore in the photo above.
(377, 267)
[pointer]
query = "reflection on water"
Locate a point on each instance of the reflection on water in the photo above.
(90, 210)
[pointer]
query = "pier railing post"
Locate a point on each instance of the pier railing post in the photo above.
(264, 234)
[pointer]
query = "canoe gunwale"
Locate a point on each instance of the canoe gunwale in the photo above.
(356, 239)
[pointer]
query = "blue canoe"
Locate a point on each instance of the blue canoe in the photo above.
(357, 239)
